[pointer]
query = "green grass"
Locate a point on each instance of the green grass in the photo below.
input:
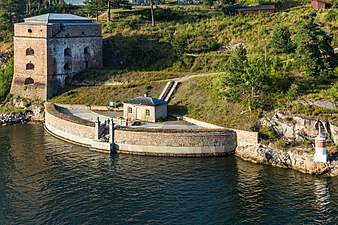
(184, 30)
(186, 40)
(198, 98)
(102, 95)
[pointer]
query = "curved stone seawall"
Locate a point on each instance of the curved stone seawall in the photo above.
(142, 141)
(69, 130)
(175, 142)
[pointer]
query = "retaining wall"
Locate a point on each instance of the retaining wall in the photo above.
(175, 142)
(69, 130)
(159, 142)
(244, 138)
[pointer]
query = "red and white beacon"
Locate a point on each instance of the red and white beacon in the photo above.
(320, 147)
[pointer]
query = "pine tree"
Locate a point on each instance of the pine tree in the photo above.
(281, 40)
(314, 52)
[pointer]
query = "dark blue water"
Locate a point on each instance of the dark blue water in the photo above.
(47, 181)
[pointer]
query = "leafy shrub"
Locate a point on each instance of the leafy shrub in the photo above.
(267, 133)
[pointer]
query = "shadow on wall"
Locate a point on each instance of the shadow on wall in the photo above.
(137, 53)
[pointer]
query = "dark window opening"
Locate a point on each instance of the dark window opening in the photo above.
(68, 52)
(29, 51)
(29, 81)
(86, 64)
(130, 110)
(29, 66)
(86, 51)
(83, 33)
(67, 66)
(30, 31)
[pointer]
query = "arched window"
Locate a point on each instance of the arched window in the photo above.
(86, 51)
(147, 112)
(68, 52)
(29, 66)
(29, 51)
(67, 66)
(130, 110)
(29, 81)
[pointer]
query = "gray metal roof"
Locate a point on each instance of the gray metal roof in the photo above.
(141, 100)
(51, 18)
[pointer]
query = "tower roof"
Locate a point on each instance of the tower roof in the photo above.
(52, 18)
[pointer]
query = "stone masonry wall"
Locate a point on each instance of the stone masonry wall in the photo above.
(178, 139)
(244, 138)
(36, 40)
(149, 141)
(53, 69)
(71, 131)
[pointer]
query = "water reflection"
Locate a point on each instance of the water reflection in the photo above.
(46, 180)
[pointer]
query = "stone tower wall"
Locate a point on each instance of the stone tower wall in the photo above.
(76, 38)
(36, 40)
(52, 67)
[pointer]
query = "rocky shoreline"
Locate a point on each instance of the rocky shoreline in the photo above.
(300, 159)
(34, 113)
(15, 118)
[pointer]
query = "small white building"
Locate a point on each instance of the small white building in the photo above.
(145, 109)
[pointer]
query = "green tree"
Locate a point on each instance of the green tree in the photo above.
(314, 52)
(252, 82)
(281, 40)
(6, 77)
(208, 2)
(11, 11)
(94, 7)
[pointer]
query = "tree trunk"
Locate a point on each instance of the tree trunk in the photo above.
(108, 12)
(152, 13)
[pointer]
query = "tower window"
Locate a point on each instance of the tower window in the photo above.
(29, 66)
(29, 51)
(30, 31)
(68, 52)
(86, 51)
(29, 81)
(67, 66)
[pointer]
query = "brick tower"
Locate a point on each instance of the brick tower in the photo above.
(49, 49)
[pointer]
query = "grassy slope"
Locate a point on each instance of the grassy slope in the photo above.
(197, 97)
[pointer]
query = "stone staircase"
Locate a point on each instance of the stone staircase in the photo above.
(168, 90)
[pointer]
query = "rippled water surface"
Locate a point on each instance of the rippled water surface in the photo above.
(44, 180)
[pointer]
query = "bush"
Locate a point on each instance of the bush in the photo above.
(6, 79)
(267, 133)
